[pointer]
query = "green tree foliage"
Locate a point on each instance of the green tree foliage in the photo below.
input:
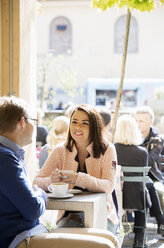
(141, 5)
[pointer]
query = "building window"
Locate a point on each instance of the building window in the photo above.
(120, 26)
(61, 36)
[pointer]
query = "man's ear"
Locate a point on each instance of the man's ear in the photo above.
(151, 122)
(22, 122)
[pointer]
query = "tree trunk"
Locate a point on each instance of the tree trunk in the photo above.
(43, 88)
(122, 74)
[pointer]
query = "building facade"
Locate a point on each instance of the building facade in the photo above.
(91, 41)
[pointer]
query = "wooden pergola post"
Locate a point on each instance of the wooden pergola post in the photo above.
(18, 57)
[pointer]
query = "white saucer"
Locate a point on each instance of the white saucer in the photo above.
(75, 191)
(61, 197)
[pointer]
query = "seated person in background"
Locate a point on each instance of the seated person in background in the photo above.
(152, 141)
(129, 153)
(90, 157)
(154, 144)
(56, 135)
(106, 116)
(42, 131)
(20, 204)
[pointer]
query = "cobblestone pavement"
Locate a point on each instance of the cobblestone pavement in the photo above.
(154, 240)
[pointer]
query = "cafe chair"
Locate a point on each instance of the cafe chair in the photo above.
(137, 175)
(72, 238)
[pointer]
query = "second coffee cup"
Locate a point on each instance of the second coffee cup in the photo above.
(58, 189)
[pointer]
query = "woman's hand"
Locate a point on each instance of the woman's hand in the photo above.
(69, 177)
(55, 176)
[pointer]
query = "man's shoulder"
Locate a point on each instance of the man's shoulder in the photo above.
(154, 141)
(155, 136)
(5, 149)
(5, 152)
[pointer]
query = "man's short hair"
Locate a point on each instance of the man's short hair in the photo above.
(11, 111)
(145, 110)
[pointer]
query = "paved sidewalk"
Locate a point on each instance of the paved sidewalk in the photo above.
(154, 240)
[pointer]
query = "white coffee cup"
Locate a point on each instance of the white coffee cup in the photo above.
(58, 189)
(67, 172)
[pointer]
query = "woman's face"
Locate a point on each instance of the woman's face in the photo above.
(79, 127)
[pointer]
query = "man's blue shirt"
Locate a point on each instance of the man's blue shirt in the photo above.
(20, 205)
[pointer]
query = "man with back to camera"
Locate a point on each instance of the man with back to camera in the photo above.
(21, 204)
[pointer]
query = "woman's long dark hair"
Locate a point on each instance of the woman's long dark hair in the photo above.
(95, 129)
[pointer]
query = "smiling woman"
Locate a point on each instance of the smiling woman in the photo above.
(79, 127)
(91, 159)
(79, 131)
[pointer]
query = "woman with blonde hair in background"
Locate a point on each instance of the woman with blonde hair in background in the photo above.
(127, 140)
(56, 135)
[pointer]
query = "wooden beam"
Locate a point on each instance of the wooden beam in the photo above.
(5, 70)
(16, 46)
(10, 47)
